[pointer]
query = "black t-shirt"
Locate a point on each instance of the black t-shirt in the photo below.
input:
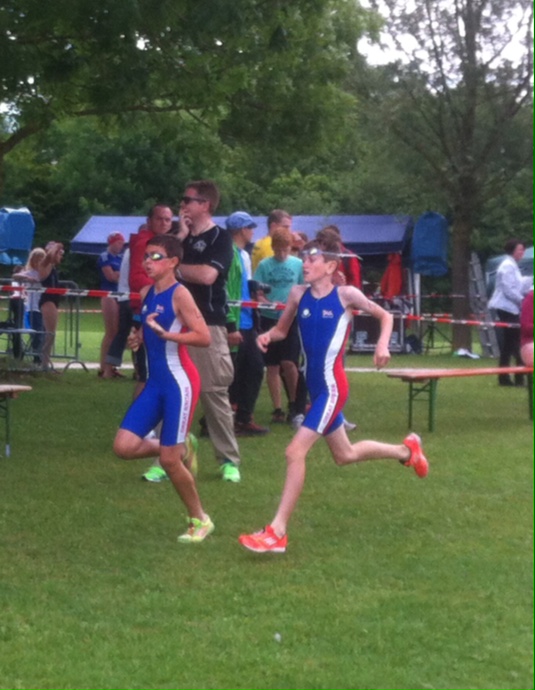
(211, 248)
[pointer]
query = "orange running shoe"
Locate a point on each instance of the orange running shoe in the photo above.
(264, 541)
(417, 460)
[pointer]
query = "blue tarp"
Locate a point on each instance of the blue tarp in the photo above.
(429, 247)
(17, 228)
(365, 235)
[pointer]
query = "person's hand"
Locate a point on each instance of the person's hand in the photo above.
(381, 356)
(263, 341)
(59, 252)
(134, 340)
(234, 339)
(184, 224)
(154, 325)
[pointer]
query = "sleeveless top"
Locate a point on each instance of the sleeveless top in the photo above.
(164, 357)
(324, 326)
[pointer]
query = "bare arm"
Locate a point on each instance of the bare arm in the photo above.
(24, 275)
(353, 298)
(110, 274)
(187, 311)
(282, 327)
(52, 258)
(201, 274)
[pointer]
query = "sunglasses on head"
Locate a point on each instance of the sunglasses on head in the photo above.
(188, 199)
(315, 251)
(155, 256)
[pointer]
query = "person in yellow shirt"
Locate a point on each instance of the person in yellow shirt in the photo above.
(277, 220)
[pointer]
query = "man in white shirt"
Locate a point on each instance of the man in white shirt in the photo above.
(509, 291)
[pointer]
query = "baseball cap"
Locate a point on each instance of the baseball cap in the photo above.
(115, 237)
(238, 220)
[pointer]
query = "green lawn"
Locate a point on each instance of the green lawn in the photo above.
(389, 581)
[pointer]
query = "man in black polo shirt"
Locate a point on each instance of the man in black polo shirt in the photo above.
(208, 254)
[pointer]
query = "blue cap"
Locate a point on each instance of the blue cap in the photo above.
(239, 220)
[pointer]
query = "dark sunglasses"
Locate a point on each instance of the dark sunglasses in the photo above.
(188, 199)
(154, 256)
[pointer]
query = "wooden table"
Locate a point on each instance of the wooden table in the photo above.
(424, 382)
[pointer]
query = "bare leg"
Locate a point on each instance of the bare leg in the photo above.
(130, 446)
(291, 375)
(343, 453)
(171, 458)
(296, 454)
(50, 324)
(274, 385)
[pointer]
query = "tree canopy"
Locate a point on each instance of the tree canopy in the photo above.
(454, 99)
(108, 107)
(267, 70)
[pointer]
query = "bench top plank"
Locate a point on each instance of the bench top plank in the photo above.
(423, 374)
(11, 389)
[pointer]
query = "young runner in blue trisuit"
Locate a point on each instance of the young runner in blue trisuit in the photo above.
(171, 321)
(324, 314)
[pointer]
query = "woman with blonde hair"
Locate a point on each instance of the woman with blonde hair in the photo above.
(30, 275)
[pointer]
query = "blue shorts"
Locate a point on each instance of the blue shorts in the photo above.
(328, 400)
(322, 417)
(172, 405)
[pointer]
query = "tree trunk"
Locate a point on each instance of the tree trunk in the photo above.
(460, 275)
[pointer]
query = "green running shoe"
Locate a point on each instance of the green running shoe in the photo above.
(197, 531)
(230, 472)
(155, 474)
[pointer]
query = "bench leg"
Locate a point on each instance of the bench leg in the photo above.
(411, 398)
(4, 412)
(433, 384)
(428, 390)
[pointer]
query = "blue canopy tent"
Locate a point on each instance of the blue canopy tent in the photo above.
(17, 229)
(365, 235)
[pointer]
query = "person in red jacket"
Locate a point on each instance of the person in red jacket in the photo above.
(159, 221)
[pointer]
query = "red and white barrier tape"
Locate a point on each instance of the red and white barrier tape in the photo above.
(274, 306)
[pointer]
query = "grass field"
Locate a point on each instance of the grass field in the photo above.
(389, 581)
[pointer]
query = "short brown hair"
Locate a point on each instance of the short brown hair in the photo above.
(171, 244)
(277, 216)
(207, 190)
(328, 234)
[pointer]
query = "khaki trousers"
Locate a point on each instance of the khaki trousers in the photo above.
(216, 371)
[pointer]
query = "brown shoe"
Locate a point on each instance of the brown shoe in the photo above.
(250, 429)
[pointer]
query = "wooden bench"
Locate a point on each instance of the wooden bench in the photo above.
(7, 393)
(424, 383)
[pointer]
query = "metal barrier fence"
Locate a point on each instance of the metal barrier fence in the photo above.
(15, 337)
